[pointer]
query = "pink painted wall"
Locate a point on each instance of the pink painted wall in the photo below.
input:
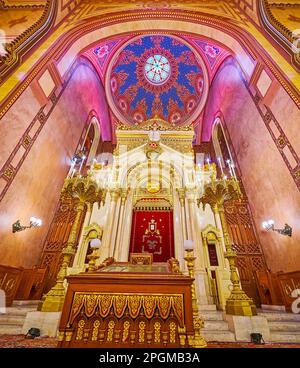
(268, 183)
(36, 187)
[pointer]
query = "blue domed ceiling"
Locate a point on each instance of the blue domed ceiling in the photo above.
(157, 76)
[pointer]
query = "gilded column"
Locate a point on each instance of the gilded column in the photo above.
(189, 233)
(111, 225)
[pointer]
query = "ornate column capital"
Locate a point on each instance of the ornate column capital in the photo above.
(115, 194)
(191, 194)
(124, 194)
(83, 188)
(181, 195)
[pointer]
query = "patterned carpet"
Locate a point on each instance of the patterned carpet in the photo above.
(19, 341)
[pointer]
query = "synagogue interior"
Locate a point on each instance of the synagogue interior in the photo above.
(149, 173)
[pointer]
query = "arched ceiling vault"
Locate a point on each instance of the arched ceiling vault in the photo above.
(69, 45)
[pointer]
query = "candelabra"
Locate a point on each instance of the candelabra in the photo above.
(215, 193)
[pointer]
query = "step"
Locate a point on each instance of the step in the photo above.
(217, 336)
(273, 308)
(10, 329)
(284, 326)
(6, 318)
(216, 325)
(275, 316)
(18, 311)
(282, 336)
(207, 307)
(212, 315)
(21, 303)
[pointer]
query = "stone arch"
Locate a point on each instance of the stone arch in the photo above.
(97, 137)
(90, 232)
(219, 124)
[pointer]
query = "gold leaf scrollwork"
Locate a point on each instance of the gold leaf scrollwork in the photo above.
(90, 304)
(164, 306)
(177, 302)
(149, 305)
(134, 305)
(105, 303)
(142, 327)
(78, 302)
(110, 332)
(126, 327)
(157, 327)
(95, 330)
(120, 304)
(80, 327)
(172, 328)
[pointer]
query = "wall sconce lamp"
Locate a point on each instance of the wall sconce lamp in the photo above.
(269, 225)
(34, 222)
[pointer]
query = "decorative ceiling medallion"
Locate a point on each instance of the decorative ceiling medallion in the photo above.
(157, 76)
(157, 69)
(162, 74)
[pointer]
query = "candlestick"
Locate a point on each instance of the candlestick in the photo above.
(220, 164)
(230, 168)
(234, 174)
(73, 172)
(81, 164)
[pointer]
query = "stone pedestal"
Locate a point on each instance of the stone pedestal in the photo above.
(243, 326)
(47, 322)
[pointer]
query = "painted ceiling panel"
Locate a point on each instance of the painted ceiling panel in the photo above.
(162, 76)
(156, 76)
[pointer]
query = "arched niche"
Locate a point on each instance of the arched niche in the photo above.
(218, 274)
(92, 139)
(92, 231)
(220, 142)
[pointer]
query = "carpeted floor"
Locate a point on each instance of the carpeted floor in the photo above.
(19, 341)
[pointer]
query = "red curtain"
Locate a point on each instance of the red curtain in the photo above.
(152, 232)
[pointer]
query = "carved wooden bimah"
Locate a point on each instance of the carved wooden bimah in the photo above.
(128, 305)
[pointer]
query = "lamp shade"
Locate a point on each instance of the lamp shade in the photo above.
(188, 244)
(95, 243)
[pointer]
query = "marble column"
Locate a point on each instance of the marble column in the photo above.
(201, 279)
(181, 195)
(126, 231)
(110, 226)
(119, 239)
